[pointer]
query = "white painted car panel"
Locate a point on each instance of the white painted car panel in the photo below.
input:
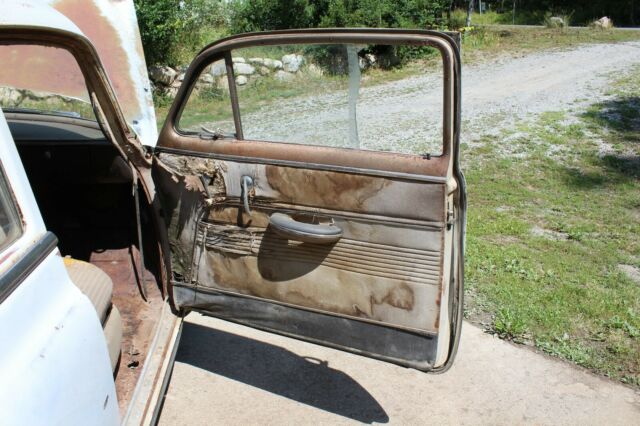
(112, 27)
(54, 362)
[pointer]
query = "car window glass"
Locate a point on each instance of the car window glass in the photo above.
(10, 225)
(366, 97)
(42, 79)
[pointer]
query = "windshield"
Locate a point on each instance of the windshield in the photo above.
(44, 80)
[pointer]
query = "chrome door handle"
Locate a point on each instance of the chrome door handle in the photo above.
(247, 184)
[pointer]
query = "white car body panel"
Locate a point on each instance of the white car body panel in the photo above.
(112, 27)
(54, 363)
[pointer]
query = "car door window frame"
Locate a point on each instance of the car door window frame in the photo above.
(378, 162)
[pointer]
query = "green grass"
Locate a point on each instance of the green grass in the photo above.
(459, 17)
(485, 43)
(547, 232)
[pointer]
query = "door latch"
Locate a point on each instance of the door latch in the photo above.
(247, 185)
(451, 217)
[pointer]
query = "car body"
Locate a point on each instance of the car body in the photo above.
(358, 249)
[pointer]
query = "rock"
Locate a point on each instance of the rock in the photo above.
(180, 77)
(273, 64)
(256, 61)
(176, 84)
(160, 74)
(367, 61)
(556, 22)
(292, 62)
(32, 94)
(241, 68)
(603, 23)
(218, 68)
(371, 59)
(238, 60)
(205, 78)
(264, 70)
(241, 80)
(10, 95)
(283, 76)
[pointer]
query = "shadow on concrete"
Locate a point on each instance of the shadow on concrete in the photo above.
(277, 370)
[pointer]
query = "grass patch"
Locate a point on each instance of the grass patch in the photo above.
(483, 43)
(547, 232)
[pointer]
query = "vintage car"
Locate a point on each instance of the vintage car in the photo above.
(110, 233)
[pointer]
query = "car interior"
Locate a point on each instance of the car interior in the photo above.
(84, 190)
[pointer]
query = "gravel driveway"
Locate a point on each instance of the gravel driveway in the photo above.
(409, 110)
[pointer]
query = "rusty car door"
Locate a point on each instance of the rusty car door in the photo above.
(357, 249)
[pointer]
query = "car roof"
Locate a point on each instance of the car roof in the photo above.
(112, 27)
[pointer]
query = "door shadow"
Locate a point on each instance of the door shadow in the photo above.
(277, 370)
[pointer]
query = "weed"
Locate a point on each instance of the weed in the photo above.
(509, 325)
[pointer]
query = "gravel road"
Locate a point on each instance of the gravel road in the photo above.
(405, 115)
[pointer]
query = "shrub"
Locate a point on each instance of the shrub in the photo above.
(173, 30)
(264, 15)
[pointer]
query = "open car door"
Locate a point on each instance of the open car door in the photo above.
(293, 206)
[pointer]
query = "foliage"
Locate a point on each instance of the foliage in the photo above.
(258, 15)
(171, 30)
(264, 15)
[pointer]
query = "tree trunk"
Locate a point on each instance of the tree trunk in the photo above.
(469, 13)
(514, 12)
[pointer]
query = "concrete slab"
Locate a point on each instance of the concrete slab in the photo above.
(230, 374)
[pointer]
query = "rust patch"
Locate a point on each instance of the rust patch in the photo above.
(400, 297)
(86, 15)
(306, 187)
(258, 263)
(345, 191)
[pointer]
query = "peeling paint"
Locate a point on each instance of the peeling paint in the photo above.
(111, 26)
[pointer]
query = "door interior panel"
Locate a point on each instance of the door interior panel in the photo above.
(386, 269)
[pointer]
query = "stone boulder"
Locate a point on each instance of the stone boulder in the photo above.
(218, 68)
(292, 62)
(238, 60)
(241, 80)
(273, 64)
(161, 74)
(603, 23)
(205, 78)
(283, 76)
(11, 95)
(556, 22)
(242, 68)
